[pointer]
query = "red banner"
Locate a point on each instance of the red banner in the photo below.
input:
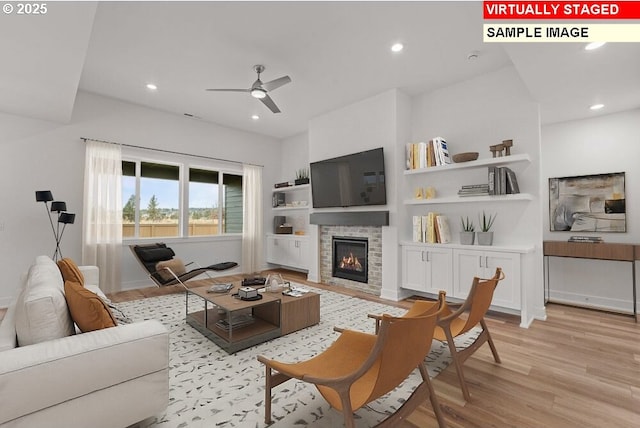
(580, 10)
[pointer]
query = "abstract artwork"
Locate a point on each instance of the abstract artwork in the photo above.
(588, 203)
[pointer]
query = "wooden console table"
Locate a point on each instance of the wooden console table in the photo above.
(597, 251)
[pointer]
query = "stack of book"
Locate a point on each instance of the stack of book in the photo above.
(428, 154)
(432, 228)
(237, 321)
(592, 239)
(474, 190)
(502, 181)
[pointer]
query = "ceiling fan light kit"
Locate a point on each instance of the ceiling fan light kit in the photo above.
(261, 90)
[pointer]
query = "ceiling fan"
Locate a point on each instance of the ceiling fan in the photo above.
(260, 90)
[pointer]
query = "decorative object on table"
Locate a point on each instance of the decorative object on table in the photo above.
(465, 157)
(588, 203)
(507, 147)
(63, 218)
(485, 236)
(496, 150)
(429, 192)
(275, 283)
(467, 234)
(247, 293)
(302, 176)
(256, 280)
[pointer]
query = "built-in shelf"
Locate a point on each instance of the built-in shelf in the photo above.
(472, 164)
(291, 188)
(301, 207)
(463, 199)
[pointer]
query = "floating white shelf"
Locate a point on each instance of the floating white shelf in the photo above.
(463, 199)
(472, 164)
(291, 188)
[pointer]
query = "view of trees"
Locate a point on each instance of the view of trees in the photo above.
(153, 213)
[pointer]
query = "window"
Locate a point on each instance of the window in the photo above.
(151, 194)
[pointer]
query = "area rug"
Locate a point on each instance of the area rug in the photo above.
(210, 388)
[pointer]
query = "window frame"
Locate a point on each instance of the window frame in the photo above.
(184, 163)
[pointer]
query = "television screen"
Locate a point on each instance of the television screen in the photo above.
(351, 180)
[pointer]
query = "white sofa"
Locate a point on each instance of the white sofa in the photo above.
(110, 378)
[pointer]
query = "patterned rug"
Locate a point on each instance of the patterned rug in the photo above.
(210, 388)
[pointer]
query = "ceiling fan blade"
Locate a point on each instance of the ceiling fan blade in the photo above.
(276, 83)
(229, 90)
(269, 103)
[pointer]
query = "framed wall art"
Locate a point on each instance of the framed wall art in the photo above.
(587, 203)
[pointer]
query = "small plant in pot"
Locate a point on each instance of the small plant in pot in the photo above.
(485, 236)
(467, 234)
(302, 176)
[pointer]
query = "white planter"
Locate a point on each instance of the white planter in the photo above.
(467, 238)
(485, 238)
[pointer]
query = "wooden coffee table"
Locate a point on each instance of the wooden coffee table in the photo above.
(235, 324)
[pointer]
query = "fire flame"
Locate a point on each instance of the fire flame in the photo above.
(350, 262)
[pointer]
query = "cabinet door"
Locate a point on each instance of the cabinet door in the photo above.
(277, 250)
(439, 270)
(413, 268)
(303, 254)
(507, 294)
(466, 265)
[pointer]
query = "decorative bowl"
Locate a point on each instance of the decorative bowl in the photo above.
(465, 157)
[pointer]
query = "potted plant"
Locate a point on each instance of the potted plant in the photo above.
(485, 236)
(302, 176)
(467, 234)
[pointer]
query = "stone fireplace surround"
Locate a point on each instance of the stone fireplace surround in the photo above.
(352, 224)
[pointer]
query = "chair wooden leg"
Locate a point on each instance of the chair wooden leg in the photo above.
(458, 364)
(494, 351)
(267, 396)
(417, 398)
(347, 410)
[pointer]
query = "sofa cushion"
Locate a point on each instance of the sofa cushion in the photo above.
(41, 312)
(70, 271)
(88, 310)
(176, 265)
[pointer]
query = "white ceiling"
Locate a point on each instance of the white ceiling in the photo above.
(336, 53)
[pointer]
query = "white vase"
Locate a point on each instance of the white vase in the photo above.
(485, 238)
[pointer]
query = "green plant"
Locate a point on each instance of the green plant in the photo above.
(486, 221)
(467, 225)
(302, 173)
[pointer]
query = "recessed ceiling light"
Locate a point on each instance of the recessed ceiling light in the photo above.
(594, 45)
(151, 86)
(397, 47)
(255, 117)
(596, 106)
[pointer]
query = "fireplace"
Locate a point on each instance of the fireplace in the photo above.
(350, 258)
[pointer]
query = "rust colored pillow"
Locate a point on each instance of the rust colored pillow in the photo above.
(70, 271)
(176, 265)
(88, 310)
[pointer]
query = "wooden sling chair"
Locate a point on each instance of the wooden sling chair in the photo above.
(164, 269)
(452, 324)
(359, 368)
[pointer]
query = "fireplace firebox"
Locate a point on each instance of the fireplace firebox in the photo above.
(350, 258)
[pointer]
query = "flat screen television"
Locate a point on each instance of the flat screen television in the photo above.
(352, 180)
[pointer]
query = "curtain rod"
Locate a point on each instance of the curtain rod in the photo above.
(85, 139)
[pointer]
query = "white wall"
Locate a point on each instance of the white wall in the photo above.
(37, 155)
(364, 125)
(603, 144)
(471, 116)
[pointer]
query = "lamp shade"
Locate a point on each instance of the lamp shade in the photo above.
(66, 218)
(58, 206)
(44, 196)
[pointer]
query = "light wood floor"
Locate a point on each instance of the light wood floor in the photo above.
(580, 368)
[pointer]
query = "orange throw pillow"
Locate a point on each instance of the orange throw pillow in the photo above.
(88, 310)
(70, 271)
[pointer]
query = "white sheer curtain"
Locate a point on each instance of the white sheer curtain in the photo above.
(102, 219)
(252, 236)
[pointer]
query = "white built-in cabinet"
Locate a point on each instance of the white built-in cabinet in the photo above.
(468, 263)
(427, 269)
(288, 250)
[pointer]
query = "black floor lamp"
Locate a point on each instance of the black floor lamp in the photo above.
(63, 217)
